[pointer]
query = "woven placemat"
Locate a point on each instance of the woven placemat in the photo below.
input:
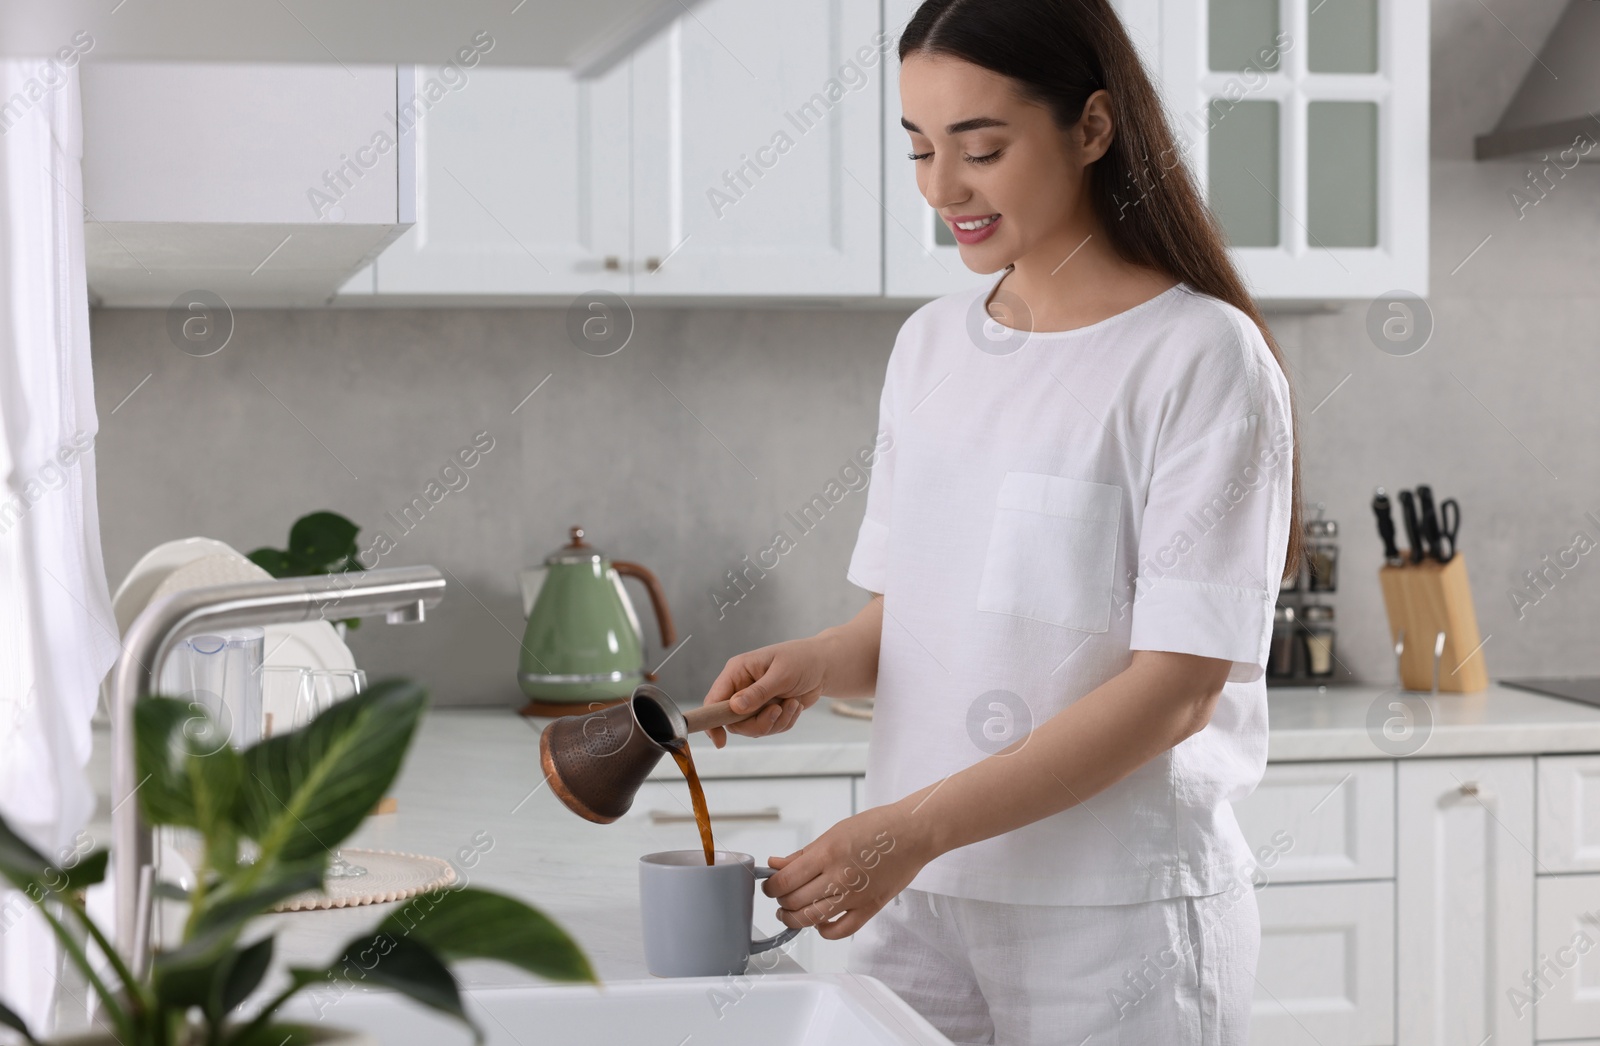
(855, 708)
(390, 877)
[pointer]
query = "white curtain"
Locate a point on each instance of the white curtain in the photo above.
(57, 634)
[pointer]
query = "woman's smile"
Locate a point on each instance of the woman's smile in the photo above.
(973, 228)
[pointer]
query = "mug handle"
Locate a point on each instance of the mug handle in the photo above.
(777, 940)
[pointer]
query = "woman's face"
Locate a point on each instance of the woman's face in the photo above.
(983, 153)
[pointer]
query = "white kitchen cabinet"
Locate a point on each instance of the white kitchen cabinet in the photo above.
(1321, 822)
(735, 154)
(1465, 879)
(263, 185)
(1306, 124)
(522, 187)
(756, 151)
(1569, 814)
(1562, 995)
(1310, 146)
(762, 817)
(1326, 969)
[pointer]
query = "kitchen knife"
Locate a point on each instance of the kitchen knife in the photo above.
(1381, 509)
(1428, 520)
(1408, 513)
(1449, 524)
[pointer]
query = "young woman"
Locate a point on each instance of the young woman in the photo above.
(1088, 499)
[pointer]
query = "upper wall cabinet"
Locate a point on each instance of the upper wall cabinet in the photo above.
(736, 153)
(1307, 124)
(267, 185)
(1304, 122)
(757, 151)
(522, 188)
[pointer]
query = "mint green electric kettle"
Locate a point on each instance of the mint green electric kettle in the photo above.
(582, 647)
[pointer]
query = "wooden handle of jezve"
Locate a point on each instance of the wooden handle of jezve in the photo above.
(720, 714)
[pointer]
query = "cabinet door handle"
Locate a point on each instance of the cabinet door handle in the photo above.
(673, 817)
(1472, 790)
(612, 263)
(652, 264)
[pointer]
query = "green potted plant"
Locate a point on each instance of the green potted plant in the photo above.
(319, 543)
(295, 796)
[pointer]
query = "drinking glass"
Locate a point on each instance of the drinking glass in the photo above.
(330, 686)
(286, 692)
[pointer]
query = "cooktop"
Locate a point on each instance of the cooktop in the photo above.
(1573, 688)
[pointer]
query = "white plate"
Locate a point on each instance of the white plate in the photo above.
(192, 562)
(218, 568)
(310, 644)
(133, 595)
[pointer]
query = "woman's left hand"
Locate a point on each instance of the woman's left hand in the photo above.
(844, 877)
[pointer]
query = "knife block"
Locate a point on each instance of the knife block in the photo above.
(1422, 600)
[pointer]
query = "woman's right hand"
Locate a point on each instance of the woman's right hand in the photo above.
(792, 671)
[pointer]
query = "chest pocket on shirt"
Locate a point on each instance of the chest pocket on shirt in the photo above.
(1052, 552)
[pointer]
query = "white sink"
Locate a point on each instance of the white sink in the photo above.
(836, 1009)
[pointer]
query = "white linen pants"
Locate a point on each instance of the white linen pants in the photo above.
(1174, 972)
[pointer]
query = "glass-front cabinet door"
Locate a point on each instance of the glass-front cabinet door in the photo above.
(1306, 122)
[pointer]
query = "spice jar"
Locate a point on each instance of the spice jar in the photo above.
(1322, 555)
(1317, 639)
(1280, 658)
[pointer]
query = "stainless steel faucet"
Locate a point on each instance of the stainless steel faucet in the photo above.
(401, 594)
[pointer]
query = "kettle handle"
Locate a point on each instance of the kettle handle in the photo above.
(658, 602)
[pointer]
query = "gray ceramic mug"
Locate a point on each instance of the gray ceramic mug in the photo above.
(697, 916)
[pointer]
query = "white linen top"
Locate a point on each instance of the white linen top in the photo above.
(1045, 504)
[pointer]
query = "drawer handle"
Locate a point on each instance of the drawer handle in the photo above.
(612, 263)
(1472, 790)
(672, 817)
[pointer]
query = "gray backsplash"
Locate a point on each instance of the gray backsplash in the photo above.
(684, 451)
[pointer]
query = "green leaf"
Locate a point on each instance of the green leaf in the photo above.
(323, 539)
(31, 872)
(20, 863)
(227, 910)
(11, 1020)
(245, 970)
(188, 770)
(87, 872)
(192, 974)
(273, 561)
(469, 923)
(305, 791)
(408, 966)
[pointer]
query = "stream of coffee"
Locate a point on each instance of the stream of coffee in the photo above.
(697, 796)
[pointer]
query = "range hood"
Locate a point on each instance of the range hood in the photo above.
(586, 37)
(1558, 104)
(266, 185)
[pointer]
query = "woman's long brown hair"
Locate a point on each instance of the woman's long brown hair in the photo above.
(1059, 52)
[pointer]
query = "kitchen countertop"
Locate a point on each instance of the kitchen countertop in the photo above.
(472, 782)
(1342, 723)
(1304, 724)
